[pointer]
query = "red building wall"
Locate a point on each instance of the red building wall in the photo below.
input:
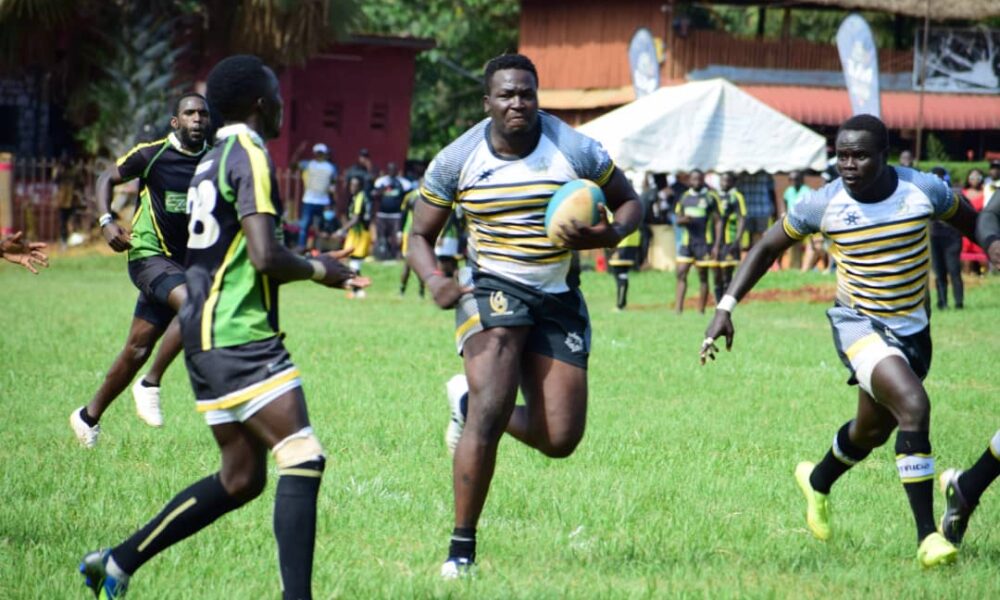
(350, 97)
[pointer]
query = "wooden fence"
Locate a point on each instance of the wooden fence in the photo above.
(43, 186)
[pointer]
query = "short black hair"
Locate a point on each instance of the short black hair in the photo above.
(872, 125)
(235, 84)
(184, 96)
(507, 61)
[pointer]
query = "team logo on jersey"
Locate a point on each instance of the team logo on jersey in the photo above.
(486, 174)
(852, 218)
(498, 304)
(574, 342)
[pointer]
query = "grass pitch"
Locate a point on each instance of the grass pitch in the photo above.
(682, 487)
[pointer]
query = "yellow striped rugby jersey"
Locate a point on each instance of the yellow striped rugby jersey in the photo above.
(882, 249)
(505, 199)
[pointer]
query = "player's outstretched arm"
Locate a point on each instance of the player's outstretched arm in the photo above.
(115, 235)
(27, 254)
(758, 261)
(271, 258)
(988, 229)
(428, 221)
(964, 219)
(627, 210)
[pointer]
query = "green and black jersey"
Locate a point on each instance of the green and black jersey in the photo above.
(229, 302)
(732, 207)
(164, 169)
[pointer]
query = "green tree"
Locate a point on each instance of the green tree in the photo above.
(468, 33)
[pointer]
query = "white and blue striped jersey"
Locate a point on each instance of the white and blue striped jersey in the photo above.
(882, 249)
(505, 199)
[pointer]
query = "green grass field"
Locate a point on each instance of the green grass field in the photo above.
(682, 486)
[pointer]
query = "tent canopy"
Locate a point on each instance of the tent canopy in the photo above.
(708, 125)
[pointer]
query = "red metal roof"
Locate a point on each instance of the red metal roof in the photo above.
(830, 106)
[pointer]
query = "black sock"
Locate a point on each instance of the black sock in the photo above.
(463, 544)
(916, 470)
(86, 418)
(622, 280)
(974, 482)
(719, 290)
(463, 405)
(185, 515)
(843, 455)
(145, 383)
(295, 525)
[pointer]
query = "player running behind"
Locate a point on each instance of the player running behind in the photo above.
(877, 218)
(521, 325)
(358, 236)
(243, 378)
(409, 201)
(733, 208)
(701, 231)
(623, 259)
(962, 489)
(156, 250)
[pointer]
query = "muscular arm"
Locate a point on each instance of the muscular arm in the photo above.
(268, 255)
(116, 236)
(271, 258)
(988, 229)
(106, 181)
(759, 260)
(964, 219)
(624, 204)
(428, 221)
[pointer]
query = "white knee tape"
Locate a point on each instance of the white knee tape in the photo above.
(864, 363)
(302, 446)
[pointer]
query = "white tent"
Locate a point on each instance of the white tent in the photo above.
(709, 125)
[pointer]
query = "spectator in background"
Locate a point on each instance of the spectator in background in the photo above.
(946, 252)
(409, 201)
(363, 169)
(65, 177)
(319, 177)
(389, 190)
(762, 205)
(796, 191)
(992, 180)
(359, 216)
(733, 211)
(658, 209)
(906, 159)
(975, 194)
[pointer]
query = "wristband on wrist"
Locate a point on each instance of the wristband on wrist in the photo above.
(319, 270)
(728, 303)
(105, 219)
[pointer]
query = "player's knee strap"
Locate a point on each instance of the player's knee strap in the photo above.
(865, 361)
(300, 447)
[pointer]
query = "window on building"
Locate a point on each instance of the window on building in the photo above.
(379, 116)
(332, 115)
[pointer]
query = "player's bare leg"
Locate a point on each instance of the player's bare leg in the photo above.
(702, 289)
(554, 416)
(141, 338)
(493, 368)
(171, 346)
(682, 285)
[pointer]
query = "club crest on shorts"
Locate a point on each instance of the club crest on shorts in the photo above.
(574, 342)
(498, 304)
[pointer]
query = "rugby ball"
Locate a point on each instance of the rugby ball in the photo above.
(575, 200)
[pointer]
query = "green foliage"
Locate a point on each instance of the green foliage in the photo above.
(809, 24)
(681, 488)
(936, 151)
(135, 94)
(958, 170)
(448, 78)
